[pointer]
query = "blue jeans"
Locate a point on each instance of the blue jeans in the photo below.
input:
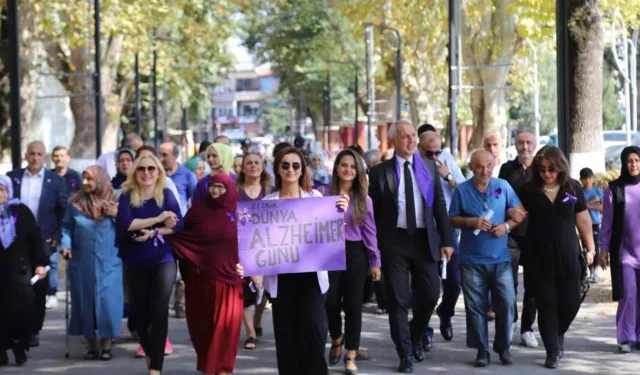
(477, 280)
(52, 276)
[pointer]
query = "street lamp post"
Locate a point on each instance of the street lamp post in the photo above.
(398, 66)
(97, 81)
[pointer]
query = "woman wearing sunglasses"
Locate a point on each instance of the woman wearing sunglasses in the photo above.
(556, 206)
(148, 211)
(347, 287)
(299, 314)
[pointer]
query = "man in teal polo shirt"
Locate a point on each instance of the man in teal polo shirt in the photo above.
(480, 208)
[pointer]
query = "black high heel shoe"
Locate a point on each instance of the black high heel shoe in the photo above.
(20, 354)
(333, 360)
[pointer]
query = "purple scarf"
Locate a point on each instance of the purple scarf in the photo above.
(423, 178)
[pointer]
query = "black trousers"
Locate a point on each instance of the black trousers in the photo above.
(300, 325)
(558, 303)
(410, 256)
(345, 292)
(518, 248)
(151, 290)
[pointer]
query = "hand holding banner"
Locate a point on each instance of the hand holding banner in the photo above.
(290, 236)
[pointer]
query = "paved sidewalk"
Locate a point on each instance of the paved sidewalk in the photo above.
(590, 349)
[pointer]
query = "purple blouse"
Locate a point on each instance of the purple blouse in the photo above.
(245, 197)
(365, 232)
(151, 252)
(630, 246)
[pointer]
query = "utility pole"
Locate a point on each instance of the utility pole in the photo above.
(13, 25)
(97, 82)
(155, 93)
(137, 84)
(564, 77)
(536, 97)
(453, 90)
(368, 39)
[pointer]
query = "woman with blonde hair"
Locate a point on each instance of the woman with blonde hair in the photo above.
(148, 211)
(95, 271)
(220, 159)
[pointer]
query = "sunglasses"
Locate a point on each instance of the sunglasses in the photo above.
(285, 166)
(150, 169)
(431, 154)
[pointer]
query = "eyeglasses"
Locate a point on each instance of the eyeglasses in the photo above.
(485, 202)
(150, 169)
(431, 154)
(285, 166)
(217, 187)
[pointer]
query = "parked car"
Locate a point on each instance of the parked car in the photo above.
(612, 157)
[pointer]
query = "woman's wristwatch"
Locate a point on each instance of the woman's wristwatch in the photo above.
(592, 252)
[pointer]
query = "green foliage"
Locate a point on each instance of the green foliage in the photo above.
(189, 36)
(612, 119)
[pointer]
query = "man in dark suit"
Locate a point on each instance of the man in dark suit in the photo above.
(414, 234)
(44, 192)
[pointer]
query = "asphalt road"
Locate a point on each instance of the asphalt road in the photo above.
(590, 349)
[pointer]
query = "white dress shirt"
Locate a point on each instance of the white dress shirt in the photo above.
(455, 171)
(270, 282)
(31, 190)
(402, 201)
(108, 162)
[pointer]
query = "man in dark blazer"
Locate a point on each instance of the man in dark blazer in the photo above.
(44, 192)
(414, 234)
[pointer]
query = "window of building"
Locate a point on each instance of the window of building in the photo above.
(252, 84)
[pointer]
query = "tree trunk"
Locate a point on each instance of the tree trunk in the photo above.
(83, 107)
(494, 42)
(31, 52)
(586, 51)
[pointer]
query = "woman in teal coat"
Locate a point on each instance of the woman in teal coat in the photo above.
(95, 270)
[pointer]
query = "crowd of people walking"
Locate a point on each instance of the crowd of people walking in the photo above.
(139, 226)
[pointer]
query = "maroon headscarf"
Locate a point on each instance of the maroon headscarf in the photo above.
(210, 236)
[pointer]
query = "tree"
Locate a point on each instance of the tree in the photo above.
(586, 51)
(63, 29)
(300, 40)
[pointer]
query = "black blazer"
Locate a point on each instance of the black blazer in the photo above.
(53, 202)
(383, 189)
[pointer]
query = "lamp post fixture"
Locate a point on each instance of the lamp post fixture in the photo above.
(398, 66)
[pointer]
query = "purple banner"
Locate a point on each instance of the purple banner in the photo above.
(291, 236)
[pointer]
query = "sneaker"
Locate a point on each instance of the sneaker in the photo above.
(52, 302)
(140, 352)
(624, 348)
(168, 349)
(529, 340)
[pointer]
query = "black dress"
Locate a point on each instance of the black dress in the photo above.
(551, 231)
(554, 260)
(17, 266)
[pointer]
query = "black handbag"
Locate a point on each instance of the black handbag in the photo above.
(584, 281)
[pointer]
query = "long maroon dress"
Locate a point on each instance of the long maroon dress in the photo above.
(208, 253)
